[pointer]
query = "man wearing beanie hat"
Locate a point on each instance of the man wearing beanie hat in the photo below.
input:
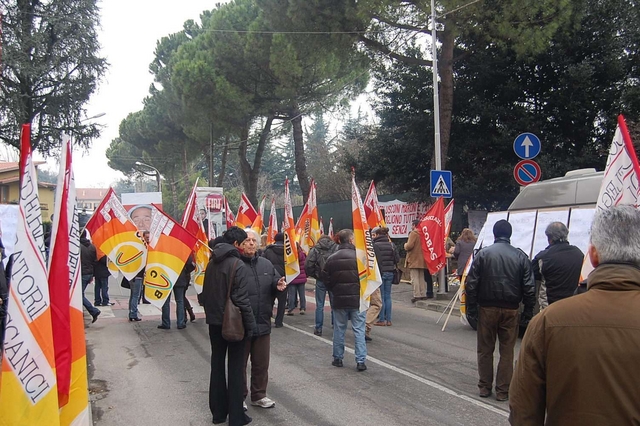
(275, 254)
(499, 279)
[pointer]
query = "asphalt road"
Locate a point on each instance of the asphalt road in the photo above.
(417, 375)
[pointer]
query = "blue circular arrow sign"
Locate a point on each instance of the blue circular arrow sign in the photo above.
(527, 146)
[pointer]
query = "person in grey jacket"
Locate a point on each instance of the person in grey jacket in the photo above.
(225, 393)
(463, 250)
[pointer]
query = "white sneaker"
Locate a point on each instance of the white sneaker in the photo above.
(244, 406)
(264, 403)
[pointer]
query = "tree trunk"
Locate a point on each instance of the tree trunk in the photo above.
(223, 162)
(300, 160)
(445, 68)
(250, 174)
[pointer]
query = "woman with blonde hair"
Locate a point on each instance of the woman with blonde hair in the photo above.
(463, 249)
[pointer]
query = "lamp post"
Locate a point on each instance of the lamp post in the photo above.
(158, 181)
(436, 115)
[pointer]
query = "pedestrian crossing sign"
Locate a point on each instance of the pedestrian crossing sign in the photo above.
(441, 183)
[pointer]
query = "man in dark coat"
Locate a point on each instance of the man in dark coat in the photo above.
(87, 261)
(558, 266)
(227, 269)
(340, 275)
(263, 283)
(274, 253)
(313, 265)
(500, 278)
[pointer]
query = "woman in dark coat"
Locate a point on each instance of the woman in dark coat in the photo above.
(227, 269)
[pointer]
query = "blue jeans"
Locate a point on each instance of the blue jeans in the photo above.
(358, 320)
(136, 288)
(385, 290)
(178, 294)
(321, 292)
(295, 290)
(86, 279)
(102, 291)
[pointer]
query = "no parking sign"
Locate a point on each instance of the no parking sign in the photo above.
(526, 172)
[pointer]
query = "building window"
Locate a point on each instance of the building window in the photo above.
(4, 194)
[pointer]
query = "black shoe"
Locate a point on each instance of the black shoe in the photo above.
(182, 327)
(163, 327)
(135, 319)
(361, 366)
(289, 313)
(247, 420)
(414, 299)
(485, 393)
(192, 316)
(337, 362)
(278, 326)
(367, 338)
(95, 317)
(317, 332)
(109, 304)
(502, 397)
(219, 422)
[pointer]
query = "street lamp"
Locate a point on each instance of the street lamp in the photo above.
(138, 163)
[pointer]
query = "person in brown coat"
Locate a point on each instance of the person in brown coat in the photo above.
(420, 277)
(578, 361)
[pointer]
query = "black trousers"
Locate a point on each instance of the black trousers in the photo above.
(282, 301)
(226, 400)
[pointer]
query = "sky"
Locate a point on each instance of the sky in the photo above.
(130, 30)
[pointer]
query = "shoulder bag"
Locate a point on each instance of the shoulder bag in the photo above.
(397, 276)
(232, 326)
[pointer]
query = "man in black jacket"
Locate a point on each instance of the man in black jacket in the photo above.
(263, 283)
(499, 279)
(227, 269)
(274, 253)
(558, 266)
(340, 275)
(313, 265)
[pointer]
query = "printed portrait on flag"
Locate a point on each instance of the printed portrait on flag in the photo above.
(138, 205)
(210, 203)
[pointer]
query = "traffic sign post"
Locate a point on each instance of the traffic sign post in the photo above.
(441, 183)
(526, 172)
(527, 146)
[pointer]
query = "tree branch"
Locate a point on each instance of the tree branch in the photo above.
(385, 50)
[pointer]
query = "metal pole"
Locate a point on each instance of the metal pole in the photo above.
(436, 100)
(211, 174)
(436, 115)
(158, 180)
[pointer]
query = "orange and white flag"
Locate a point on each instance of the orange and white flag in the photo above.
(620, 181)
(368, 271)
(246, 213)
(372, 209)
(192, 222)
(321, 226)
(230, 218)
(330, 233)
(168, 250)
(291, 265)
(258, 223)
(311, 225)
(28, 387)
(114, 234)
(272, 230)
(65, 289)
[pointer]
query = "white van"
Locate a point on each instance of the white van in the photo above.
(577, 188)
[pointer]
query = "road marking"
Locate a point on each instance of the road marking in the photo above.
(411, 375)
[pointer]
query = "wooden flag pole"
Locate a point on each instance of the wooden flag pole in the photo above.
(447, 307)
